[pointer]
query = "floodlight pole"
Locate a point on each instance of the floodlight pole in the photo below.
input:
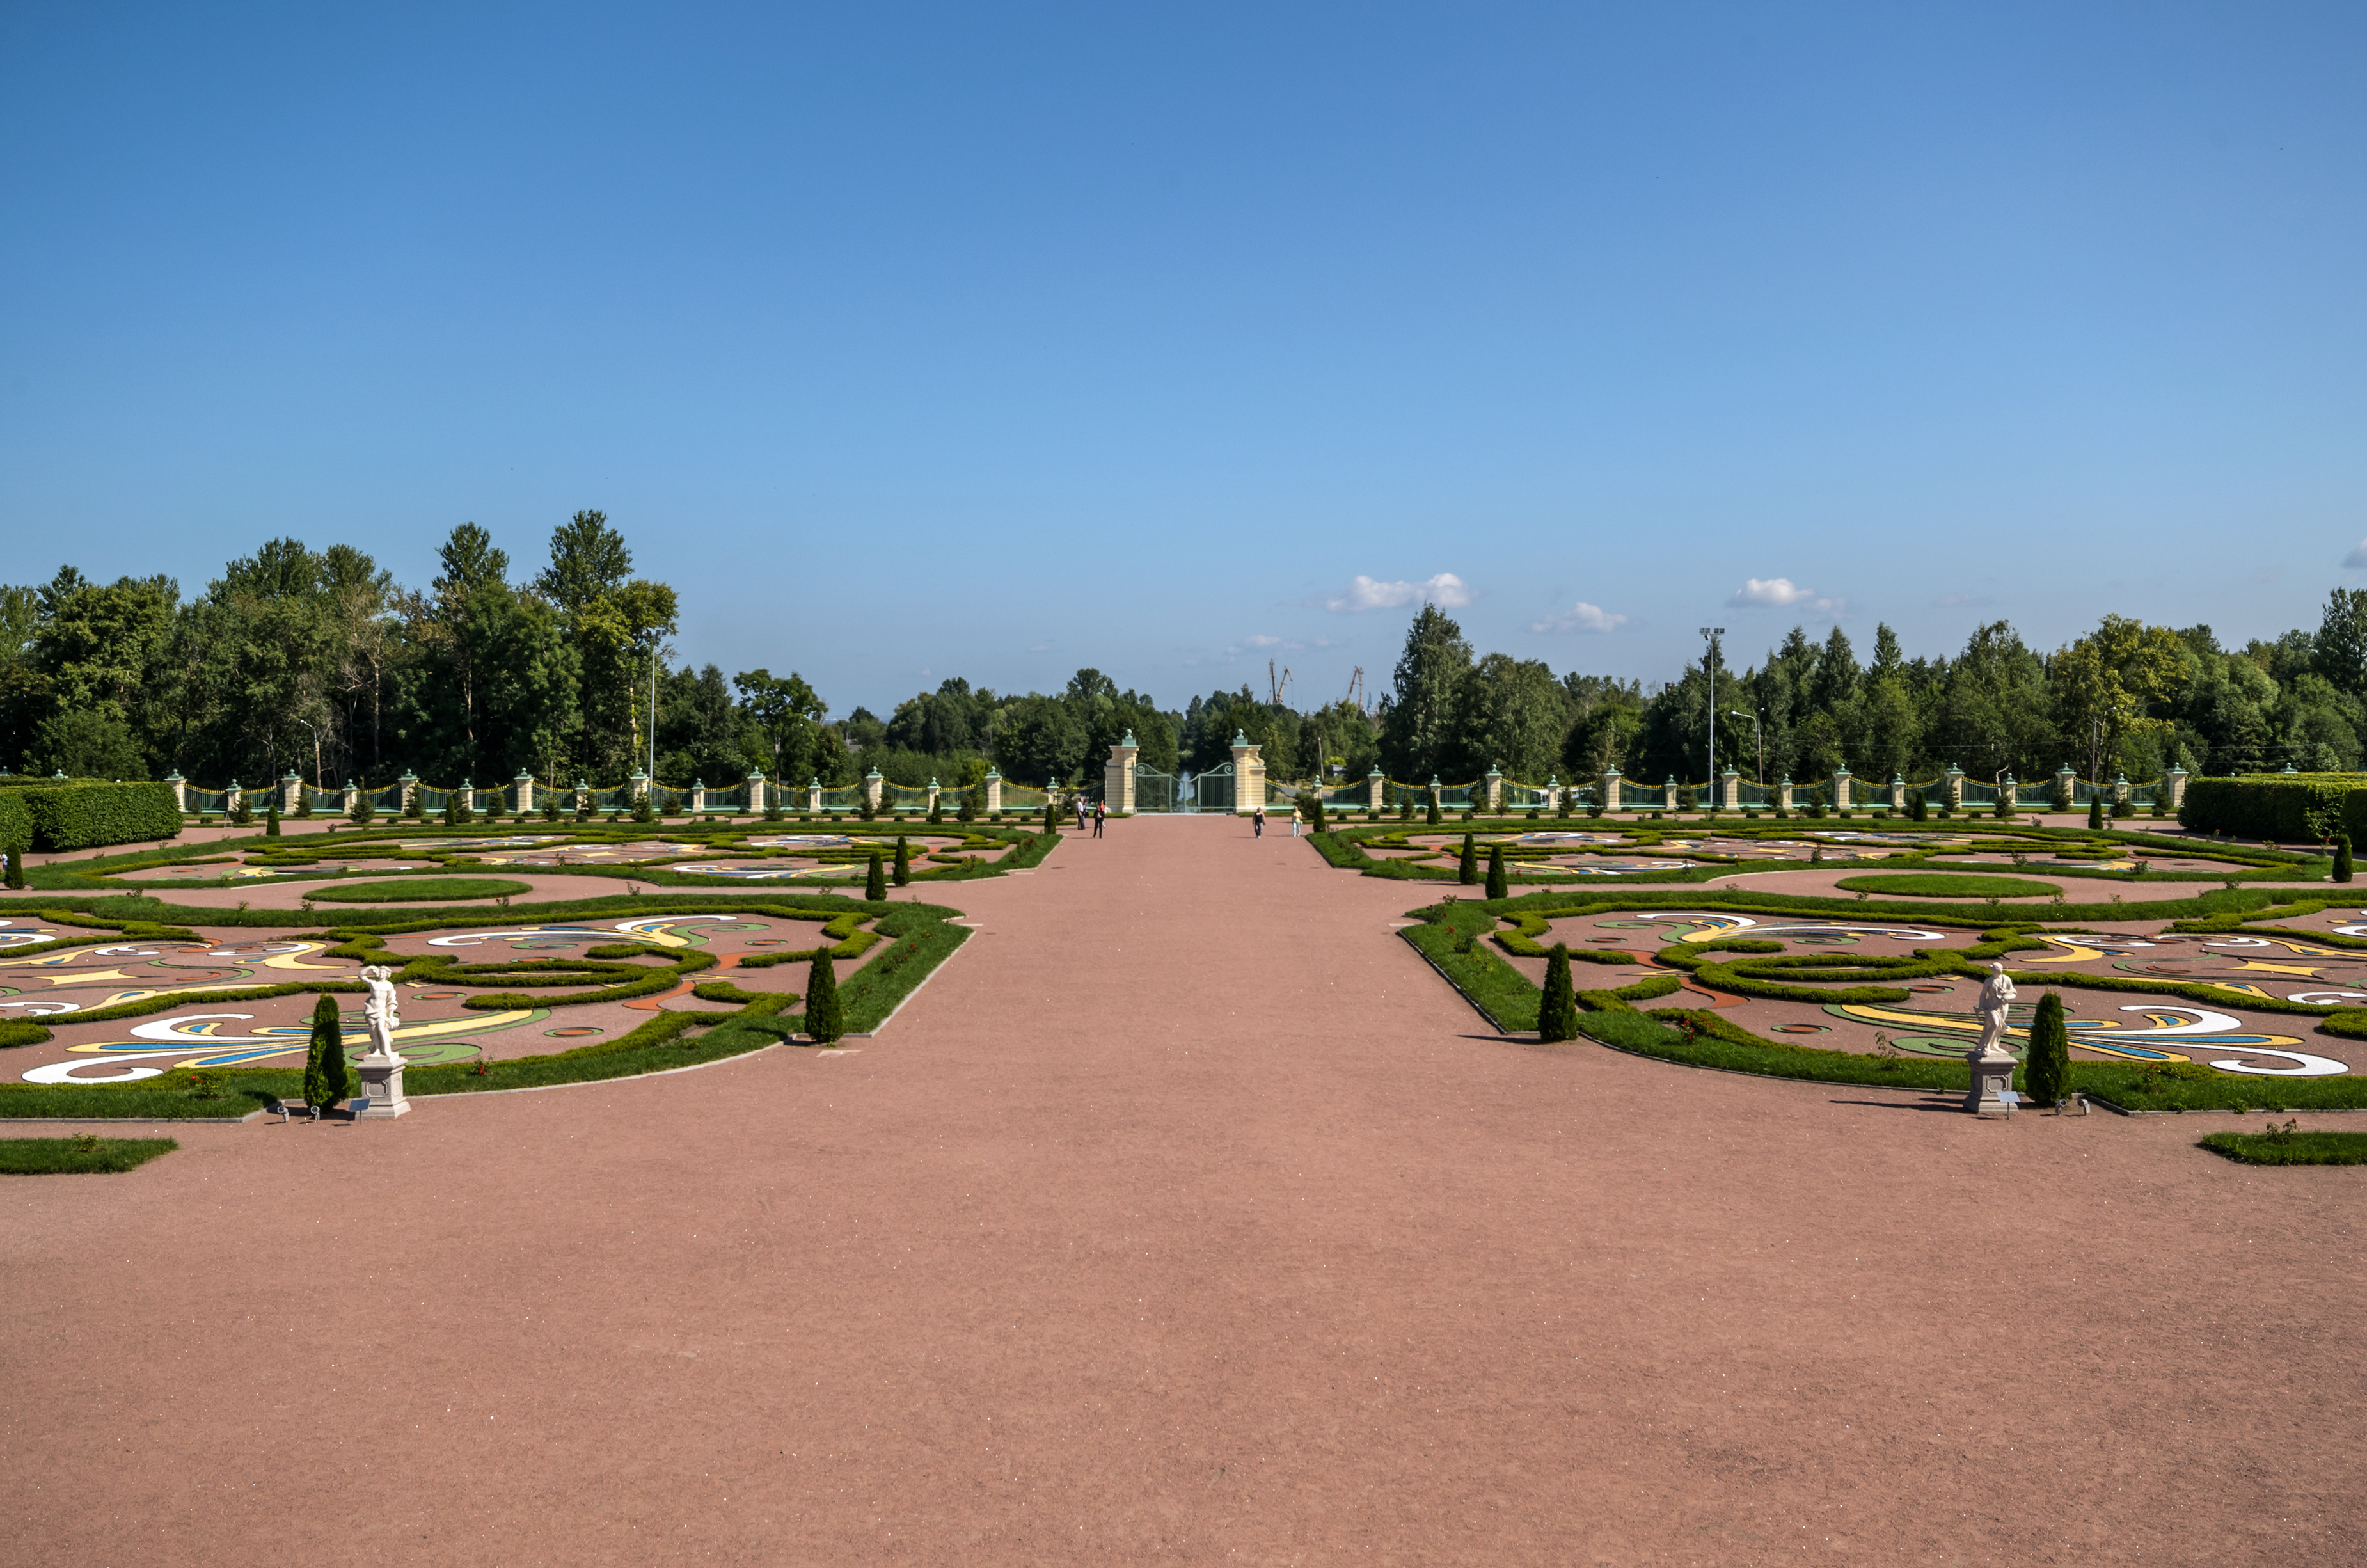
(316, 755)
(1710, 660)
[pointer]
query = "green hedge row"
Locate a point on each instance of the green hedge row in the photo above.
(2278, 807)
(80, 816)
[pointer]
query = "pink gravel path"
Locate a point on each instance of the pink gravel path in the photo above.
(1186, 1217)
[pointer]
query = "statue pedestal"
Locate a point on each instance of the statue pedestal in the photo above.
(382, 1082)
(1992, 1081)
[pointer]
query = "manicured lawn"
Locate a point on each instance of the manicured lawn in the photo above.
(417, 890)
(2279, 1147)
(1912, 884)
(80, 1156)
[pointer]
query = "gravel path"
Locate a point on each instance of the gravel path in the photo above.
(1186, 1217)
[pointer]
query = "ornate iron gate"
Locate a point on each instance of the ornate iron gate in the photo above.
(1153, 791)
(1209, 792)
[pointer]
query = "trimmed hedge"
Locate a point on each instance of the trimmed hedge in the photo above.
(2282, 1147)
(2276, 807)
(51, 817)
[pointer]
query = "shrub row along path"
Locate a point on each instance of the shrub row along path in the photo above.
(1186, 1217)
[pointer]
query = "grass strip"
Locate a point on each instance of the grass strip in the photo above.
(416, 890)
(84, 1155)
(1926, 885)
(2282, 1147)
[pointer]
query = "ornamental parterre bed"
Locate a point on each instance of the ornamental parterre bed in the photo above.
(2272, 998)
(168, 1015)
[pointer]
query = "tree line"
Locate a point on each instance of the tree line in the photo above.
(2127, 698)
(318, 661)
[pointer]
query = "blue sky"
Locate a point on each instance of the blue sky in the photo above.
(929, 340)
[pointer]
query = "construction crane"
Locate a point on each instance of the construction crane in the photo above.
(1275, 688)
(1355, 698)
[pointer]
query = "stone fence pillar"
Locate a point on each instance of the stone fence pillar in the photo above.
(408, 788)
(993, 790)
(1611, 782)
(1377, 790)
(1117, 777)
(1842, 782)
(1783, 794)
(353, 801)
(757, 793)
(1729, 789)
(638, 787)
(2176, 784)
(1249, 775)
(1494, 786)
(290, 788)
(524, 798)
(180, 788)
(875, 789)
(698, 797)
(813, 794)
(1899, 793)
(1952, 788)
(1669, 794)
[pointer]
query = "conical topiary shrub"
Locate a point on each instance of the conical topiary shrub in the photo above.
(1558, 1012)
(1432, 811)
(1051, 816)
(1467, 870)
(823, 1023)
(2095, 814)
(325, 1079)
(1497, 886)
(2046, 1067)
(271, 820)
(2341, 859)
(903, 860)
(17, 864)
(874, 886)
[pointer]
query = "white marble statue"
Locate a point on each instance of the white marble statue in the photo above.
(381, 1012)
(1997, 995)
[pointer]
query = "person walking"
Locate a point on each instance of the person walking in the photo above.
(1294, 822)
(1257, 823)
(1101, 810)
(1080, 813)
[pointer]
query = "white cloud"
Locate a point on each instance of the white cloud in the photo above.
(2357, 558)
(1781, 593)
(1447, 590)
(1260, 640)
(1580, 617)
(1776, 591)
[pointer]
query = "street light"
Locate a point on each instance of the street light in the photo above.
(1757, 746)
(1713, 633)
(316, 755)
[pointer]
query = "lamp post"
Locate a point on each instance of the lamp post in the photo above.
(1758, 747)
(1709, 663)
(316, 755)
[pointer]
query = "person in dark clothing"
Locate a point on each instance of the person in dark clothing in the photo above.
(1101, 810)
(1257, 823)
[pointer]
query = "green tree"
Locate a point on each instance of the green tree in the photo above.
(2095, 813)
(1497, 886)
(1510, 714)
(1557, 1009)
(823, 1021)
(1467, 870)
(904, 859)
(2046, 1067)
(1419, 734)
(326, 1080)
(2343, 858)
(875, 882)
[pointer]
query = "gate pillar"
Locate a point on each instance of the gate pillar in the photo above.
(1377, 790)
(1249, 775)
(1117, 777)
(993, 790)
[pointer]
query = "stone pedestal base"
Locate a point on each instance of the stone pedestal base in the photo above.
(382, 1082)
(1992, 1081)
